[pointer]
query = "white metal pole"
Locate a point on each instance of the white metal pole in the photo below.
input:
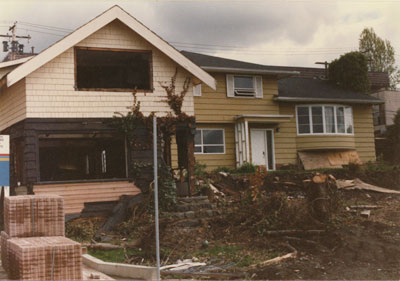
(156, 194)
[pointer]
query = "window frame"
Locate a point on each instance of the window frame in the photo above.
(253, 78)
(151, 88)
(324, 133)
(202, 145)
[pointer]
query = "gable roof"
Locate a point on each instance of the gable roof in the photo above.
(218, 64)
(378, 80)
(299, 89)
(95, 24)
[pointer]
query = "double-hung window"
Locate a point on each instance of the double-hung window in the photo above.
(209, 141)
(244, 86)
(324, 119)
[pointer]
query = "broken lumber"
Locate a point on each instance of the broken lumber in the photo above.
(103, 246)
(182, 266)
(276, 260)
(360, 185)
(107, 246)
(214, 275)
(365, 207)
(293, 232)
(215, 190)
(120, 213)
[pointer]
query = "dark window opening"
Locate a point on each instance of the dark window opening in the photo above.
(100, 69)
(81, 159)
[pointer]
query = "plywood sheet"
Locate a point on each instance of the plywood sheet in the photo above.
(328, 159)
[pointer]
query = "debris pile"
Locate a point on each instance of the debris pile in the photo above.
(33, 246)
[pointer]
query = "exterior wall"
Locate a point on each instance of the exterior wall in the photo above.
(12, 104)
(287, 142)
(77, 194)
(212, 161)
(364, 132)
(227, 159)
(392, 104)
(215, 106)
(51, 94)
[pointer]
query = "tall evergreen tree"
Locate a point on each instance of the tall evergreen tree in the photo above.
(380, 54)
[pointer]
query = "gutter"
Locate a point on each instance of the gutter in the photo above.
(249, 70)
(362, 101)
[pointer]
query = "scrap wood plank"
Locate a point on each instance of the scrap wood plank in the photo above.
(360, 185)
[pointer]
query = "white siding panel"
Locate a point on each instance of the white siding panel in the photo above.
(51, 93)
(12, 105)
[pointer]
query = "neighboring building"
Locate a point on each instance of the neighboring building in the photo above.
(265, 115)
(384, 113)
(56, 107)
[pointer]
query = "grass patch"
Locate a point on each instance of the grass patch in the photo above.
(115, 255)
(241, 256)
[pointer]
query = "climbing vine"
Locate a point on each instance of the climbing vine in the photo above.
(134, 120)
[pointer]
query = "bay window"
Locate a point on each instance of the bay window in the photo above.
(324, 119)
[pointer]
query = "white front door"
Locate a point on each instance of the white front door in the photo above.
(262, 148)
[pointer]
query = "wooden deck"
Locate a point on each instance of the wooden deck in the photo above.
(77, 194)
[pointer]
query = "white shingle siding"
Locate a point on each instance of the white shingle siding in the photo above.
(12, 105)
(50, 89)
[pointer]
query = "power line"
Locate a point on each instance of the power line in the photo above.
(49, 27)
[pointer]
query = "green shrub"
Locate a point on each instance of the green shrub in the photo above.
(224, 169)
(200, 169)
(246, 168)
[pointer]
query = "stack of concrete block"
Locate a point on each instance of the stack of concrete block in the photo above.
(34, 215)
(33, 246)
(45, 258)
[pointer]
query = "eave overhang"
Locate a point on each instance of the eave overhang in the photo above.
(264, 118)
(279, 73)
(330, 100)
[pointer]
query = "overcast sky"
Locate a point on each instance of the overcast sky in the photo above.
(285, 32)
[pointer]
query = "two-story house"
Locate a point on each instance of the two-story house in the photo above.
(276, 116)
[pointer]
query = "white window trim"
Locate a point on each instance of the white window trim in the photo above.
(335, 106)
(201, 145)
(197, 90)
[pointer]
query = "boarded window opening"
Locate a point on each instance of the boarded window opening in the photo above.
(106, 69)
(81, 159)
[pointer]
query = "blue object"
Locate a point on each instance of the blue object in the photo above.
(4, 172)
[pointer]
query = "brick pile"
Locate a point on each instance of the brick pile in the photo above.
(45, 258)
(34, 215)
(33, 246)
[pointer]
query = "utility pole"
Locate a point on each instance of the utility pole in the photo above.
(15, 46)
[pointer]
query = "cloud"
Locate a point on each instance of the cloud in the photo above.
(291, 32)
(240, 23)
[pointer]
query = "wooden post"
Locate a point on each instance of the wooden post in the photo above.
(190, 160)
(2, 207)
(167, 151)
